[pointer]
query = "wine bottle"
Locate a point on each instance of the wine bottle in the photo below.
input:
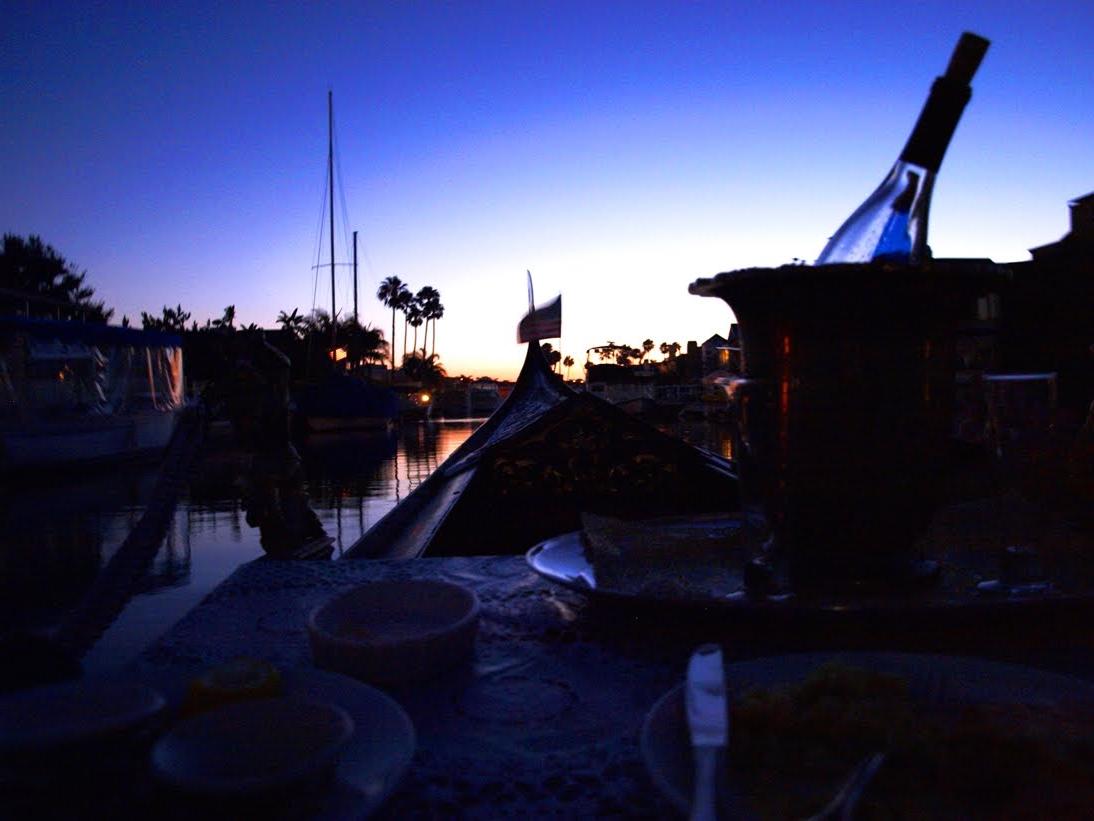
(892, 223)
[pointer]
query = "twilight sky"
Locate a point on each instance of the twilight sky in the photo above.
(619, 150)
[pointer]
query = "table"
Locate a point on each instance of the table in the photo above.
(544, 720)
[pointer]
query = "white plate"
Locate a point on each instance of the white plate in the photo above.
(374, 761)
(74, 713)
(666, 748)
(253, 747)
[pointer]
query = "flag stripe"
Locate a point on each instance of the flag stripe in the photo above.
(545, 322)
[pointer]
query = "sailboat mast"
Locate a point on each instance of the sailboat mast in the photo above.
(330, 169)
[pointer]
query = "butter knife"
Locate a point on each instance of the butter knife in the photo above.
(708, 724)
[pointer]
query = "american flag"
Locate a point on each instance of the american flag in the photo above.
(544, 322)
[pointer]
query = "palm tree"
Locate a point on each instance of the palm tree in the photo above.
(317, 322)
(670, 349)
(435, 313)
(390, 293)
(552, 356)
(647, 346)
(407, 303)
(414, 316)
(173, 319)
(429, 298)
(363, 343)
(568, 362)
(424, 369)
(228, 321)
(293, 323)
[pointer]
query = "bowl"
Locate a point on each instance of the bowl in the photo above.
(253, 748)
(393, 632)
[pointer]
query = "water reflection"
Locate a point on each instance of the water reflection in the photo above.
(58, 538)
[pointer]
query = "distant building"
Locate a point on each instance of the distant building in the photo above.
(621, 383)
(1046, 313)
(721, 354)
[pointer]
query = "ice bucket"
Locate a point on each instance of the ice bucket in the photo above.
(846, 410)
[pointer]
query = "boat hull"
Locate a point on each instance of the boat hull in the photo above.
(338, 424)
(84, 441)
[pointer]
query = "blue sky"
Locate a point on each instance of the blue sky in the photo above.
(618, 150)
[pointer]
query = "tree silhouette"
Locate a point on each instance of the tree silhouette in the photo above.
(647, 346)
(552, 356)
(317, 322)
(424, 369)
(405, 305)
(293, 323)
(390, 293)
(34, 277)
(172, 320)
(227, 321)
(568, 363)
(435, 313)
(429, 300)
(670, 349)
(363, 343)
(414, 316)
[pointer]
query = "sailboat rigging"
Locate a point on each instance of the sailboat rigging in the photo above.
(333, 263)
(341, 400)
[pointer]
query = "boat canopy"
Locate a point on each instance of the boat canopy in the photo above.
(55, 368)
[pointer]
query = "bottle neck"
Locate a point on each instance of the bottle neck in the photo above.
(936, 124)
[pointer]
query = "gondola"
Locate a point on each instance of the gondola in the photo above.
(545, 456)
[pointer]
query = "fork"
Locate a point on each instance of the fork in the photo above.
(843, 803)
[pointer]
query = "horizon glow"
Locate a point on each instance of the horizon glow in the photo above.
(618, 150)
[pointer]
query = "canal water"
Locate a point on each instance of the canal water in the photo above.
(56, 538)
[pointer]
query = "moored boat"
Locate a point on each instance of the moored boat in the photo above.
(545, 456)
(343, 402)
(74, 392)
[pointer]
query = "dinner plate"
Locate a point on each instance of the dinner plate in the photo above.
(666, 748)
(564, 560)
(378, 753)
(80, 713)
(253, 748)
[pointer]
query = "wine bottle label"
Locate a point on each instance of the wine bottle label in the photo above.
(936, 124)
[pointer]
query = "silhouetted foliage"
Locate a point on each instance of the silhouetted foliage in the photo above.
(34, 276)
(391, 293)
(552, 356)
(363, 343)
(429, 302)
(424, 369)
(227, 321)
(172, 320)
(294, 323)
(415, 318)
